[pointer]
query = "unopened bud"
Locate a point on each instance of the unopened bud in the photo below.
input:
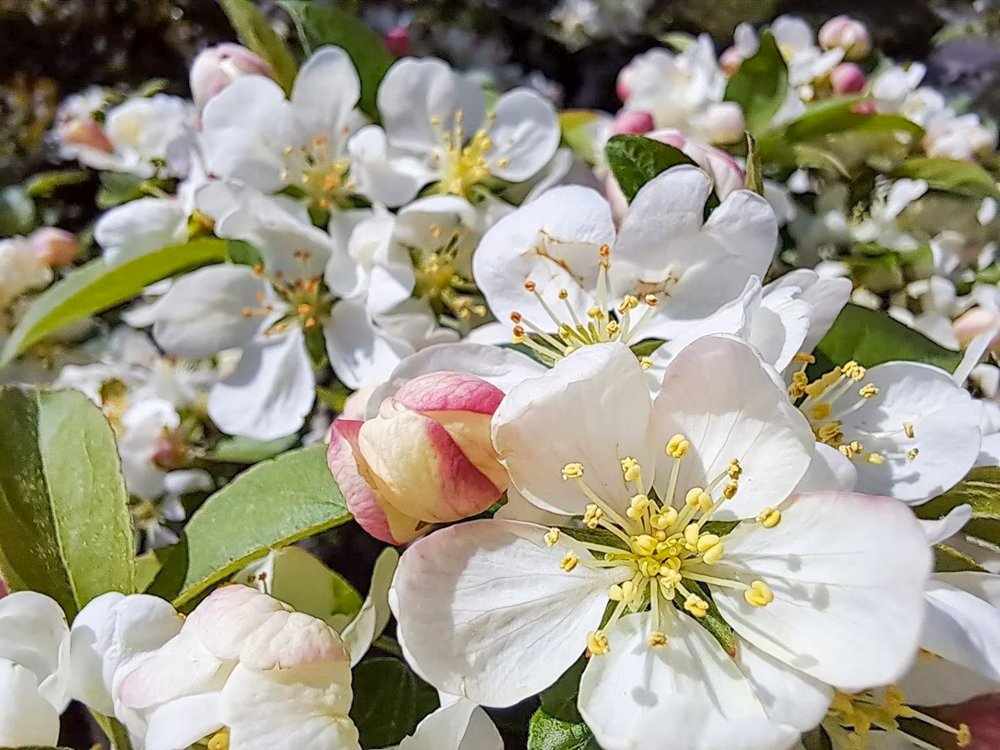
(397, 41)
(730, 60)
(216, 67)
(632, 123)
(848, 34)
(847, 78)
(85, 133)
(56, 247)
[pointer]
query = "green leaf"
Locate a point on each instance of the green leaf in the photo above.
(389, 702)
(962, 177)
(17, 211)
(635, 160)
(147, 565)
(573, 124)
(43, 184)
(244, 450)
(255, 32)
(269, 506)
(65, 529)
(760, 85)
(243, 253)
(324, 23)
(647, 347)
(980, 489)
(755, 174)
(871, 337)
(117, 188)
(97, 286)
(548, 733)
(559, 700)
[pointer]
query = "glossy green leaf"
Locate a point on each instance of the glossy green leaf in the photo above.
(980, 489)
(548, 733)
(635, 160)
(243, 253)
(324, 23)
(65, 528)
(871, 338)
(559, 699)
(760, 85)
(244, 450)
(117, 188)
(97, 286)
(269, 506)
(389, 702)
(962, 177)
(256, 33)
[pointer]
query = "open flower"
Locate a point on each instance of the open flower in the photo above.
(245, 668)
(727, 634)
(34, 669)
(437, 130)
(556, 267)
(426, 458)
(251, 133)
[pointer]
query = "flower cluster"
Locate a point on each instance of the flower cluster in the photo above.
(685, 418)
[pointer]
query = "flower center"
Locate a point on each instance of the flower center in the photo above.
(438, 279)
(856, 715)
(571, 332)
(462, 160)
(669, 552)
(829, 398)
(305, 301)
(321, 172)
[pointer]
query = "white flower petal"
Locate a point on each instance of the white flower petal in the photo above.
(962, 627)
(553, 241)
(829, 470)
(525, 135)
(948, 525)
(666, 247)
(371, 620)
(34, 635)
(139, 227)
(485, 611)
(939, 682)
(719, 394)
(359, 352)
(271, 391)
(460, 725)
(386, 178)
(847, 606)
(945, 422)
(26, 718)
(689, 689)
(182, 722)
(326, 90)
(202, 314)
(563, 417)
(826, 298)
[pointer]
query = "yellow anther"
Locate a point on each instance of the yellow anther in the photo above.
(854, 371)
(819, 386)
(678, 446)
(529, 285)
(648, 566)
(563, 294)
(615, 593)
(628, 303)
(759, 594)
(868, 391)
(691, 534)
(645, 362)
(830, 433)
(696, 605)
(629, 591)
(735, 471)
(769, 518)
(963, 738)
(691, 498)
(713, 554)
(552, 536)
(706, 542)
(804, 358)
(219, 740)
(613, 328)
(637, 506)
(908, 429)
(664, 519)
(798, 387)
(651, 300)
(644, 544)
(705, 503)
(592, 517)
(595, 313)
(631, 470)
(597, 643)
(912, 454)
(658, 640)
(570, 561)
(876, 459)
(821, 410)
(729, 491)
(572, 471)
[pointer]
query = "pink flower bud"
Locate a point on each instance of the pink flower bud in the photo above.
(397, 41)
(632, 123)
(426, 458)
(56, 247)
(86, 133)
(847, 33)
(977, 321)
(847, 78)
(216, 67)
(730, 60)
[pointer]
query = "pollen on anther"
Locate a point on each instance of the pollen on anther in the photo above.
(658, 640)
(597, 643)
(908, 430)
(572, 471)
(569, 561)
(552, 536)
(769, 518)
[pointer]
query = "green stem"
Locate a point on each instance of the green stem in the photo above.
(114, 730)
(387, 644)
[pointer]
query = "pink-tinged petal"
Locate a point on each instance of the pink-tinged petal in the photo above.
(3, 588)
(421, 470)
(449, 391)
(293, 639)
(380, 520)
